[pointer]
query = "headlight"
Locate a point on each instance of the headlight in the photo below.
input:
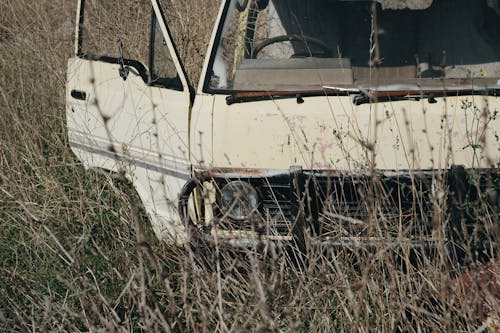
(238, 200)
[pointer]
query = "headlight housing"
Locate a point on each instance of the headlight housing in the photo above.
(238, 200)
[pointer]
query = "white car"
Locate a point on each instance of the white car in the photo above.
(349, 120)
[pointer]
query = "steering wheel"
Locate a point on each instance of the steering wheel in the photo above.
(327, 51)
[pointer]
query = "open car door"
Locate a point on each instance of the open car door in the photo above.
(128, 102)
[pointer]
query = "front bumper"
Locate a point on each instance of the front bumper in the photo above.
(334, 208)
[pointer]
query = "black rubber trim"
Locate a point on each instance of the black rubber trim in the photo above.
(186, 192)
(171, 83)
(80, 27)
(220, 28)
(78, 94)
(192, 92)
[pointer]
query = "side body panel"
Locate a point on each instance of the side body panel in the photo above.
(331, 133)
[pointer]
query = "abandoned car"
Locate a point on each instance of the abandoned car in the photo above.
(340, 120)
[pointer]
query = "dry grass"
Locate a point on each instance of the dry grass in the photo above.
(74, 259)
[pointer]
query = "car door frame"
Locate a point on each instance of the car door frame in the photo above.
(165, 218)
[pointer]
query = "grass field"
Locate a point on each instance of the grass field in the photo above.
(77, 253)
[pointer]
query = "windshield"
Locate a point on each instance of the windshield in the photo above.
(280, 45)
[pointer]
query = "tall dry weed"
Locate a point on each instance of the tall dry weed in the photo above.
(70, 258)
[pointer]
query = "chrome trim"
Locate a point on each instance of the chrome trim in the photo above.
(136, 162)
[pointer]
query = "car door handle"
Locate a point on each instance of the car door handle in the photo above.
(78, 94)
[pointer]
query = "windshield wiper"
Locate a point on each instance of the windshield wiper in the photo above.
(392, 96)
(362, 96)
(253, 96)
(379, 96)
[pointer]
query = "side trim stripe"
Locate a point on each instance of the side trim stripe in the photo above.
(140, 164)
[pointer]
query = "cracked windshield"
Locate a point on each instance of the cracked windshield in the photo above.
(280, 45)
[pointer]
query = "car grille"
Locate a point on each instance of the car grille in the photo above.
(391, 204)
